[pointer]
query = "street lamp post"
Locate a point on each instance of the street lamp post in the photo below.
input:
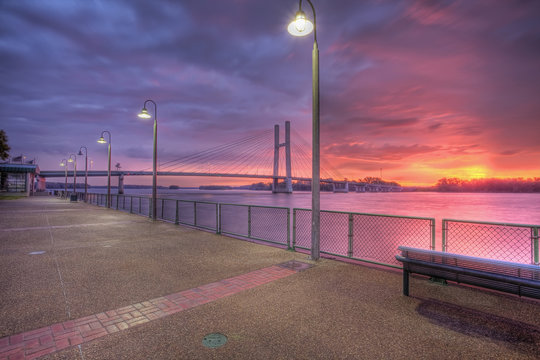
(101, 140)
(85, 169)
(64, 163)
(73, 159)
(145, 115)
(301, 26)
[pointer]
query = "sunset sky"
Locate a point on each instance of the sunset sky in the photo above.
(419, 89)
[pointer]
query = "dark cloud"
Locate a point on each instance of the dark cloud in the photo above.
(398, 79)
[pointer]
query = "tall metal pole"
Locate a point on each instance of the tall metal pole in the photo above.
(144, 114)
(73, 158)
(109, 175)
(85, 169)
(102, 141)
(74, 174)
(315, 190)
(85, 173)
(154, 174)
(299, 27)
(64, 161)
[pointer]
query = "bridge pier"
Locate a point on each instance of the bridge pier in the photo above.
(121, 184)
(345, 188)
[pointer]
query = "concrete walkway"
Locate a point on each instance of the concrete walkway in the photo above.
(95, 276)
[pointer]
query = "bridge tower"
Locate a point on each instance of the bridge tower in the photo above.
(287, 144)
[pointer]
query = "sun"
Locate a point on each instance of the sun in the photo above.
(473, 172)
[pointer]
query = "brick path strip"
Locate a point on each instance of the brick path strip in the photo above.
(53, 338)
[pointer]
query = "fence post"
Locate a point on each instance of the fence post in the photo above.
(131, 204)
(444, 234)
(294, 230)
(194, 213)
(289, 229)
(162, 207)
(249, 221)
(117, 201)
(351, 234)
(535, 245)
(218, 230)
(219, 218)
(176, 218)
(432, 224)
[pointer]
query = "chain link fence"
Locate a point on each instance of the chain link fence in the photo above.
(499, 241)
(206, 215)
(168, 210)
(264, 223)
(366, 237)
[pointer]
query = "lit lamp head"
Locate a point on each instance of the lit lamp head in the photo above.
(144, 114)
(101, 140)
(62, 164)
(70, 160)
(300, 26)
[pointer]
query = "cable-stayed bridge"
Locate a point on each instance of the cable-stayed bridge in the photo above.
(258, 156)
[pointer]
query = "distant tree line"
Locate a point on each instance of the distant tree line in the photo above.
(515, 185)
(306, 185)
(215, 187)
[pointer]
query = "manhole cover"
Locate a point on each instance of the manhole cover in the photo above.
(295, 265)
(36, 253)
(214, 340)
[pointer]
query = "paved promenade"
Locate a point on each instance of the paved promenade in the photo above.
(82, 282)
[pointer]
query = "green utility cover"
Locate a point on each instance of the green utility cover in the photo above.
(214, 340)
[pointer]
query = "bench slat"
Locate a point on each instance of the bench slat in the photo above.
(520, 279)
(471, 272)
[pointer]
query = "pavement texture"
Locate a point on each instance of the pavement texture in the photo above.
(119, 286)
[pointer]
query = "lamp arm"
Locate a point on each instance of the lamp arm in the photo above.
(108, 132)
(155, 106)
(314, 17)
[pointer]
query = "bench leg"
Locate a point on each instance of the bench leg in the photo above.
(405, 282)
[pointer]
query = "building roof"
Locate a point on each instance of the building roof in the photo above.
(19, 168)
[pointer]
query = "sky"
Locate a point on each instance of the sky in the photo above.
(413, 90)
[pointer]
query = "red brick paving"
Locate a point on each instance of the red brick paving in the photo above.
(35, 343)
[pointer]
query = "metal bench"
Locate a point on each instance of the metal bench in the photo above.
(515, 278)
